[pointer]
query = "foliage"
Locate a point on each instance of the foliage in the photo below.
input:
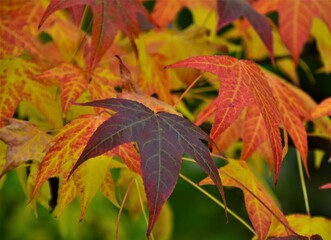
(108, 96)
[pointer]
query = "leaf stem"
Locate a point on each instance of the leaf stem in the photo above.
(142, 206)
(218, 203)
(303, 184)
(307, 70)
(188, 89)
(121, 208)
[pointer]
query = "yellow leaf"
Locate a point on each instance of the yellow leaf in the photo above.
(25, 142)
(306, 226)
(322, 34)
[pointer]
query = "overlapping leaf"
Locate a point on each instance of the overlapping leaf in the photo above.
(295, 20)
(165, 11)
(306, 226)
(229, 10)
(25, 142)
(71, 80)
(162, 139)
(60, 158)
(109, 17)
(259, 205)
(323, 109)
(242, 84)
(17, 84)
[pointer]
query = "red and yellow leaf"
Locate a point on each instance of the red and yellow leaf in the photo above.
(259, 205)
(295, 20)
(71, 80)
(25, 142)
(306, 226)
(242, 84)
(109, 17)
(322, 109)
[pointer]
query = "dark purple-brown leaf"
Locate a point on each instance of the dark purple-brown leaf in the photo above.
(162, 139)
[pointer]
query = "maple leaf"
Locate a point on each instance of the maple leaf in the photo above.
(58, 161)
(17, 84)
(162, 139)
(25, 142)
(109, 17)
(229, 10)
(295, 20)
(242, 84)
(323, 109)
(165, 11)
(71, 80)
(259, 205)
(306, 226)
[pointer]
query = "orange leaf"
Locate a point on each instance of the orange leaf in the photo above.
(293, 113)
(70, 78)
(259, 205)
(242, 84)
(323, 109)
(295, 20)
(165, 11)
(25, 142)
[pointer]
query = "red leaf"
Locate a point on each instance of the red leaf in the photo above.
(229, 10)
(109, 17)
(242, 84)
(295, 20)
(162, 139)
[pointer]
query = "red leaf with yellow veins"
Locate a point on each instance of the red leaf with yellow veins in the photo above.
(229, 10)
(242, 84)
(162, 139)
(25, 142)
(295, 20)
(110, 16)
(293, 113)
(71, 79)
(254, 132)
(259, 205)
(322, 109)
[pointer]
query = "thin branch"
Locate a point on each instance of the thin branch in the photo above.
(188, 89)
(218, 203)
(121, 208)
(142, 206)
(303, 184)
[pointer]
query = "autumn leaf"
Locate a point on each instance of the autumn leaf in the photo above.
(259, 205)
(229, 10)
(323, 109)
(16, 23)
(109, 17)
(25, 142)
(66, 148)
(162, 139)
(306, 226)
(242, 84)
(165, 11)
(71, 80)
(17, 84)
(293, 113)
(295, 20)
